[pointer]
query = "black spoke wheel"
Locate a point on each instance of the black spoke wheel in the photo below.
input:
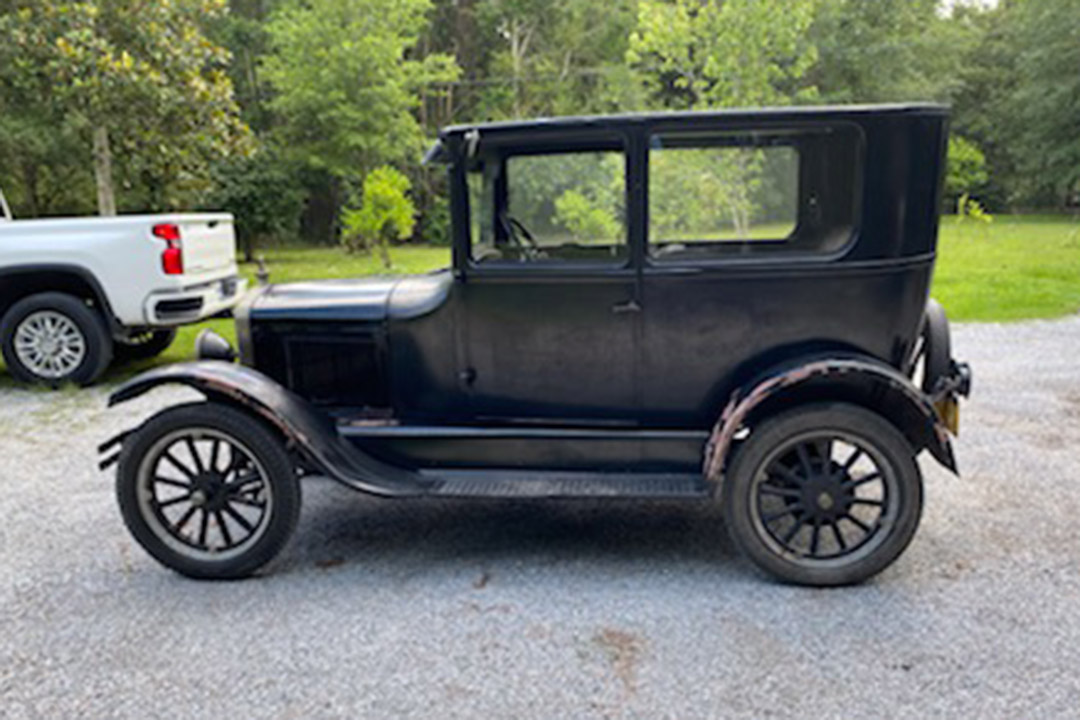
(208, 491)
(824, 495)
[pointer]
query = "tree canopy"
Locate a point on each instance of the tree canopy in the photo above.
(129, 74)
(203, 103)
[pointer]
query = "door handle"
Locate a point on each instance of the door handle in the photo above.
(630, 306)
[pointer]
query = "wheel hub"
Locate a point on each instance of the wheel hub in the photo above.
(210, 491)
(49, 344)
(826, 496)
(823, 497)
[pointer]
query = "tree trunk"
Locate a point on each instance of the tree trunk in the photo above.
(103, 172)
(384, 252)
(247, 246)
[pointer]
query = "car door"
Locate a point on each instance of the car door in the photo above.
(743, 228)
(549, 292)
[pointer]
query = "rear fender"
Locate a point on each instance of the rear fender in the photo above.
(846, 377)
(304, 428)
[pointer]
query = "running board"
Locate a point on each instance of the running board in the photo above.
(540, 484)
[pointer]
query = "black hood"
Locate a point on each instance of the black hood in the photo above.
(364, 300)
(347, 300)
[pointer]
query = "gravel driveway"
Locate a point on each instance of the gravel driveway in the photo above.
(431, 609)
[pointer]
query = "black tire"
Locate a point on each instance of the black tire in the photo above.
(772, 491)
(264, 491)
(144, 345)
(89, 326)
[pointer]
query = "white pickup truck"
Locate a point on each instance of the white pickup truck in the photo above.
(75, 292)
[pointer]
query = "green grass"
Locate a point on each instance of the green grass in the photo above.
(1015, 268)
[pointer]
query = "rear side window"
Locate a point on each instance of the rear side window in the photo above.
(727, 195)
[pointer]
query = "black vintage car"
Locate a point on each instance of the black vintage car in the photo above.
(712, 307)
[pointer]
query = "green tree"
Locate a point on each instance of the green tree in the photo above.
(553, 57)
(42, 169)
(695, 54)
(887, 51)
(264, 196)
(723, 53)
(966, 173)
(385, 213)
(1041, 113)
(138, 78)
(347, 88)
(586, 221)
(346, 84)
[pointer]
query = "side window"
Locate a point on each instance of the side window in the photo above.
(562, 207)
(731, 195)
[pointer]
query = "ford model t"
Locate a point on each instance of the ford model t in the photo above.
(719, 307)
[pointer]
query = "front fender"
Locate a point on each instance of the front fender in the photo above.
(841, 377)
(303, 426)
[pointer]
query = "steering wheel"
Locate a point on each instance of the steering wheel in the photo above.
(520, 236)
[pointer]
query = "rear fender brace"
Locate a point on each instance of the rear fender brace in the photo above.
(918, 419)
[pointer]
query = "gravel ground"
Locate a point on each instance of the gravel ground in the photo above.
(426, 609)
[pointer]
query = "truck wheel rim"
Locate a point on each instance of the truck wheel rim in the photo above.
(49, 344)
(825, 499)
(204, 494)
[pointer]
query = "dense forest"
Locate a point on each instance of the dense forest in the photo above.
(308, 118)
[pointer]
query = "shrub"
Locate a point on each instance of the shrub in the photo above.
(966, 172)
(385, 213)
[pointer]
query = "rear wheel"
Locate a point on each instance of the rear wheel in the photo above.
(55, 338)
(825, 494)
(208, 491)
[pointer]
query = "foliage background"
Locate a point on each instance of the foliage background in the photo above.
(278, 110)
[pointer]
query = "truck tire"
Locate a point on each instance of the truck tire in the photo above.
(144, 345)
(208, 491)
(54, 338)
(824, 494)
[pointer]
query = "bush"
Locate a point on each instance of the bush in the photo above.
(583, 219)
(385, 213)
(966, 174)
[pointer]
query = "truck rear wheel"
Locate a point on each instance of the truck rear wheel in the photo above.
(55, 338)
(144, 345)
(208, 491)
(825, 494)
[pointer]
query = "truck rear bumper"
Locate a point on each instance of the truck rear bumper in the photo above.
(192, 304)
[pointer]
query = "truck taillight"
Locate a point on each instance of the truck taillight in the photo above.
(172, 257)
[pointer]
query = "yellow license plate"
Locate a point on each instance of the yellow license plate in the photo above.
(949, 412)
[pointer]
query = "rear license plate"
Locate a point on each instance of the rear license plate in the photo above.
(949, 412)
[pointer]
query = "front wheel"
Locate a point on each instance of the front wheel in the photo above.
(208, 491)
(826, 494)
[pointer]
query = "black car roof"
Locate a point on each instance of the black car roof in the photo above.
(570, 123)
